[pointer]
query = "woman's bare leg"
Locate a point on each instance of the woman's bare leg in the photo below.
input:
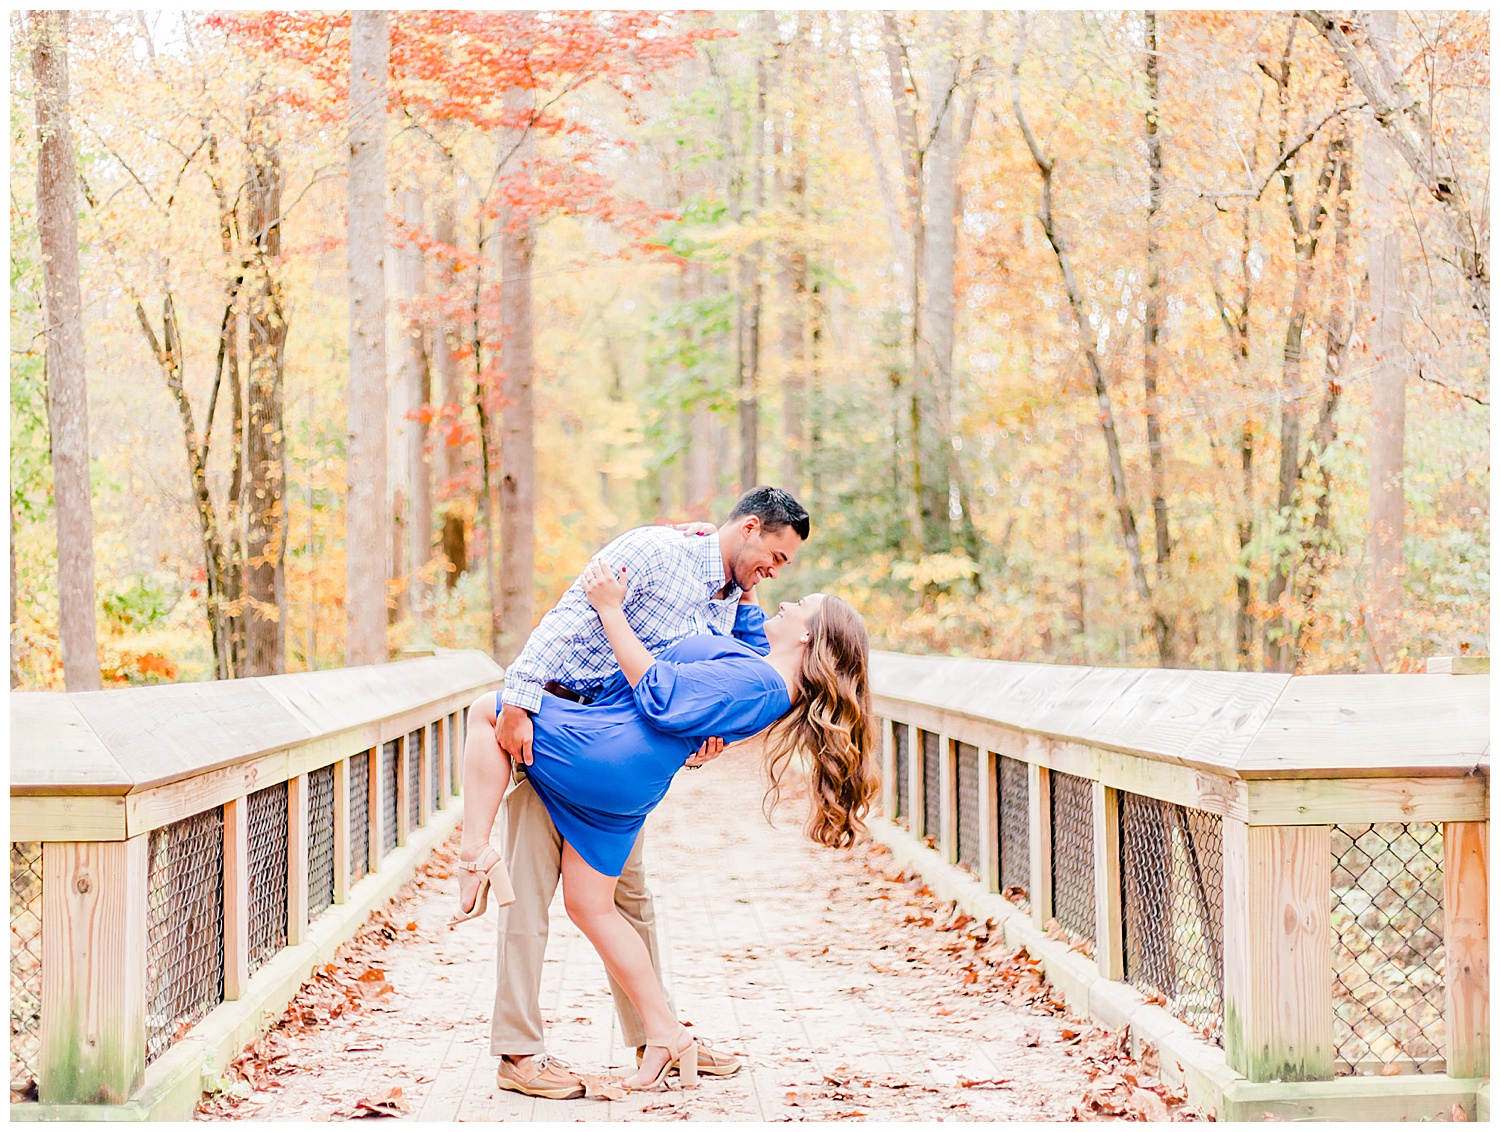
(486, 777)
(589, 897)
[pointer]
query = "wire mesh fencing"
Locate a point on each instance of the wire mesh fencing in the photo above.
(390, 802)
(267, 813)
(25, 967)
(1172, 897)
(184, 927)
(320, 812)
(1387, 921)
(1073, 854)
(455, 758)
(932, 785)
(359, 815)
(966, 804)
(414, 779)
(901, 737)
(433, 739)
(1014, 807)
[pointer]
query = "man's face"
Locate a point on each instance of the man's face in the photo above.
(762, 554)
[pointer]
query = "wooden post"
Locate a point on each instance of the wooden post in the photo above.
(1039, 828)
(887, 742)
(93, 1039)
(296, 860)
(989, 820)
(1466, 942)
(1278, 970)
(1109, 949)
(236, 897)
(376, 814)
(424, 776)
(947, 798)
(404, 756)
(341, 831)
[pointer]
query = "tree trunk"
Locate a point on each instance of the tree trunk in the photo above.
(1387, 326)
(517, 526)
(794, 331)
(447, 345)
(417, 382)
(1279, 633)
(904, 106)
(229, 627)
(365, 588)
(932, 375)
(749, 301)
(265, 449)
(1151, 360)
(1318, 544)
(67, 394)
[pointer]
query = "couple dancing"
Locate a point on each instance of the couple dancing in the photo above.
(653, 659)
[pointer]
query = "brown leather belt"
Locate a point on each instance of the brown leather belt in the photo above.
(562, 691)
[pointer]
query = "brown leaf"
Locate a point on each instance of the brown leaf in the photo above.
(1390, 1069)
(990, 1083)
(1458, 1115)
(1148, 1105)
(363, 1047)
(389, 1103)
(602, 1087)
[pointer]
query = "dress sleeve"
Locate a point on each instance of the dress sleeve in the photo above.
(750, 627)
(726, 697)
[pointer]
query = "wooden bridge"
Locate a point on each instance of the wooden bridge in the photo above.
(1279, 883)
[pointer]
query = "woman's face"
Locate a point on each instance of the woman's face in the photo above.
(791, 623)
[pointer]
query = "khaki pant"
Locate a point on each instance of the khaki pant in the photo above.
(533, 853)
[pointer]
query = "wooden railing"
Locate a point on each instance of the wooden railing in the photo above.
(1293, 867)
(167, 842)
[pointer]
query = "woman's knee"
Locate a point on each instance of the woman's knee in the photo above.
(587, 907)
(482, 711)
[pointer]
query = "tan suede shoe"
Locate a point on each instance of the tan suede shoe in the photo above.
(714, 1062)
(541, 1076)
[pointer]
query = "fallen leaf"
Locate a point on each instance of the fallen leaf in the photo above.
(602, 1087)
(364, 1047)
(389, 1103)
(991, 1083)
(1458, 1115)
(1148, 1105)
(1390, 1069)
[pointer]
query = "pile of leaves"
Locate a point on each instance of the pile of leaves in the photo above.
(351, 984)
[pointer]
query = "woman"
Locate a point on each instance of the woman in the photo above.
(601, 768)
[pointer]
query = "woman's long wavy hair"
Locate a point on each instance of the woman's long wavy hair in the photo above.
(831, 723)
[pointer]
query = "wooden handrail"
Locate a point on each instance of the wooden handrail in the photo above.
(103, 766)
(1280, 759)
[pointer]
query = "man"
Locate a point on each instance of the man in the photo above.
(679, 585)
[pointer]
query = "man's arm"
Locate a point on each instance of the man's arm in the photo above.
(545, 651)
(550, 643)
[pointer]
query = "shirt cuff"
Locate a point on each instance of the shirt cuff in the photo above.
(525, 695)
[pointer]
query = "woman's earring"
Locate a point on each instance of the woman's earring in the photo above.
(805, 638)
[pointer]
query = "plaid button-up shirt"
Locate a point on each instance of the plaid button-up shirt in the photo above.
(670, 586)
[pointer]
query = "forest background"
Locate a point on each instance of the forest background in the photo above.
(1092, 338)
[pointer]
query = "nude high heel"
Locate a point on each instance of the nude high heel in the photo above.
(685, 1061)
(496, 878)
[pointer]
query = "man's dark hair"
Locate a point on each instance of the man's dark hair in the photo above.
(775, 509)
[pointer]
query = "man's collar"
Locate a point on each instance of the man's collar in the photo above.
(709, 555)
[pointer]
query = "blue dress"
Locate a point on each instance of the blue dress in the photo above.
(600, 768)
